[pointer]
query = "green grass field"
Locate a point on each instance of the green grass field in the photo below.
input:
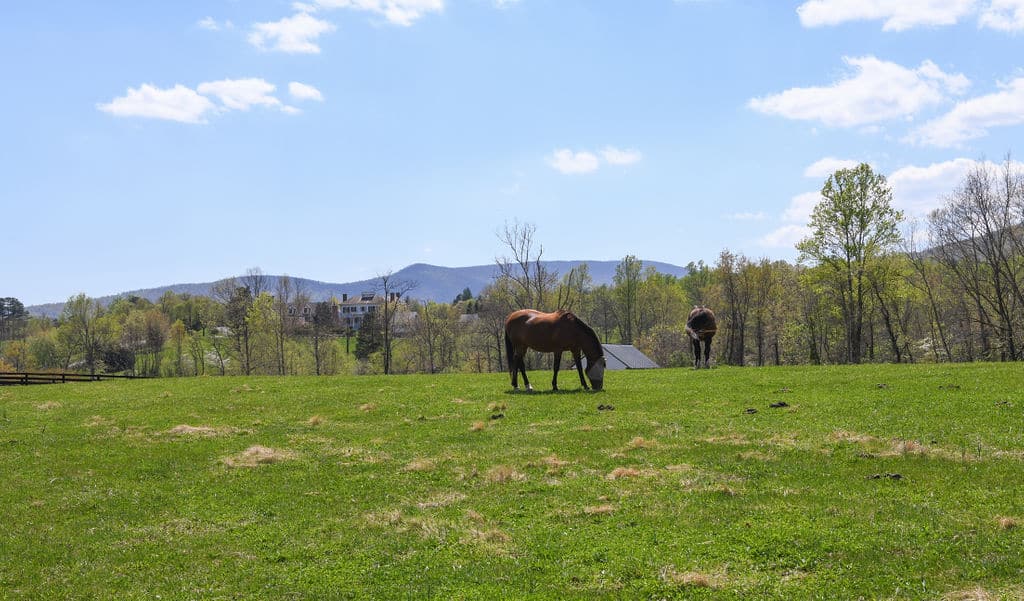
(874, 482)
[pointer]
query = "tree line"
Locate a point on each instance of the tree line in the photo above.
(867, 287)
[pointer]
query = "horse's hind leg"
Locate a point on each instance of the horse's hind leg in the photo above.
(558, 364)
(513, 368)
(522, 368)
(696, 352)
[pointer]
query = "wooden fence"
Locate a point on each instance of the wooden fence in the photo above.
(23, 377)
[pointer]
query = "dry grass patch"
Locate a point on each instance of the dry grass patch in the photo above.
(847, 436)
(492, 535)
(732, 438)
(187, 430)
(478, 426)
(980, 594)
(603, 509)
(492, 407)
(367, 407)
(1008, 523)
(639, 442)
(755, 456)
(257, 455)
(670, 575)
(443, 499)
(316, 420)
(553, 463)
(48, 405)
(420, 465)
(98, 420)
(623, 472)
(500, 474)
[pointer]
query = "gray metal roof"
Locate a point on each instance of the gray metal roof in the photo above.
(626, 356)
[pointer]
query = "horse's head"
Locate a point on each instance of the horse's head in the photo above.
(595, 371)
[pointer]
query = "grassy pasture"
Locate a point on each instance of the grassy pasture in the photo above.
(874, 482)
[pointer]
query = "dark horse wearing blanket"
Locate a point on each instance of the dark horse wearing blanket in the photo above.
(701, 327)
(553, 333)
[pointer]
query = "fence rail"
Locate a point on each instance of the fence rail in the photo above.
(23, 377)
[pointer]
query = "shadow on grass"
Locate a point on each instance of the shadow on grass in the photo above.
(521, 392)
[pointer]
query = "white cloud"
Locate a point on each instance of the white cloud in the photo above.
(1003, 15)
(919, 190)
(241, 94)
(569, 162)
(614, 156)
(211, 24)
(397, 12)
(897, 14)
(827, 166)
(785, 237)
(747, 216)
(301, 91)
(175, 104)
(795, 219)
(295, 35)
(186, 105)
(972, 118)
(877, 91)
(801, 206)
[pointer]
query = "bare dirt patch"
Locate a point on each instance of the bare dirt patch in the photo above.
(367, 407)
(49, 405)
(1008, 522)
(316, 420)
(603, 509)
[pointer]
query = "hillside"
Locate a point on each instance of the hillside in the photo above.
(434, 283)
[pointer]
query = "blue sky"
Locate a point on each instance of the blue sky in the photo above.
(147, 143)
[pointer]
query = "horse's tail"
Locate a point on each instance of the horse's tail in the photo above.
(508, 351)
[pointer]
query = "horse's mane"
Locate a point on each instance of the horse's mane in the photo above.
(589, 331)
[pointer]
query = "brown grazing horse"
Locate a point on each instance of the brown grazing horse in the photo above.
(553, 333)
(701, 327)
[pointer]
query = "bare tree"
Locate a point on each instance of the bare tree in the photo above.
(977, 237)
(393, 290)
(529, 280)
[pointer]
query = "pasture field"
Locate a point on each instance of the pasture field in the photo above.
(871, 482)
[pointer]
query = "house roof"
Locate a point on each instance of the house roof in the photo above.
(626, 356)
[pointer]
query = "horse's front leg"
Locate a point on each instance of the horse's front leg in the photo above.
(558, 363)
(579, 369)
(707, 352)
(696, 352)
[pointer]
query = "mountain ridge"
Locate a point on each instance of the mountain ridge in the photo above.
(434, 282)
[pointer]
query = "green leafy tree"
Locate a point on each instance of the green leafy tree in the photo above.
(851, 227)
(82, 330)
(13, 318)
(370, 337)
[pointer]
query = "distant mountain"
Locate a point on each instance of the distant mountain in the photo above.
(434, 283)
